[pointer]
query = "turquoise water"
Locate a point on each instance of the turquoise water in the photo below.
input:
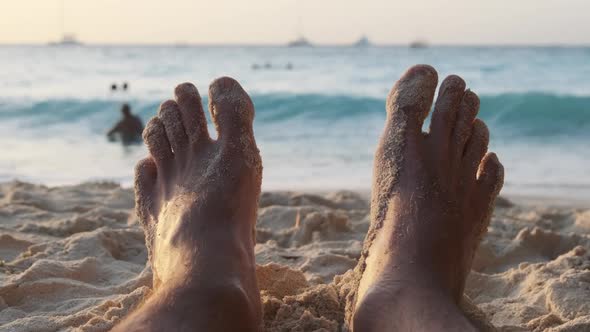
(316, 125)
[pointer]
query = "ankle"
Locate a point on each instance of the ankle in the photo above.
(225, 305)
(403, 305)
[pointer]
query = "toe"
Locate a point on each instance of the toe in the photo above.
(191, 110)
(445, 112)
(477, 146)
(410, 98)
(145, 180)
(169, 113)
(490, 176)
(156, 140)
(464, 124)
(232, 111)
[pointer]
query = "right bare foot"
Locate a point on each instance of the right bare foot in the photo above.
(433, 195)
(197, 200)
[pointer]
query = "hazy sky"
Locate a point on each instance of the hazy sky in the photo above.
(275, 21)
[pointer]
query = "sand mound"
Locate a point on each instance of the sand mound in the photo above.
(73, 259)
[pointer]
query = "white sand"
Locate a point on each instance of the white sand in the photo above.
(73, 258)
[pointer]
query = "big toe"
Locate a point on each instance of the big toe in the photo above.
(407, 106)
(411, 97)
(232, 111)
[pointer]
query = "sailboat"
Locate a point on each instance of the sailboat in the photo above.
(67, 39)
(301, 41)
(362, 42)
(418, 44)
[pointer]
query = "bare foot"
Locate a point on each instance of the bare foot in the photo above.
(197, 200)
(433, 195)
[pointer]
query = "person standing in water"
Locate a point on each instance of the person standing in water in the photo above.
(129, 128)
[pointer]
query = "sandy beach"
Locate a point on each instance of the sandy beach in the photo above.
(73, 259)
(306, 166)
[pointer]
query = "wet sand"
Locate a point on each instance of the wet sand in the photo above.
(73, 258)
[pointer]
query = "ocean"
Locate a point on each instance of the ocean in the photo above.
(317, 124)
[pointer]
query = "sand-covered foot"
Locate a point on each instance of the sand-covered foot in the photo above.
(432, 198)
(197, 200)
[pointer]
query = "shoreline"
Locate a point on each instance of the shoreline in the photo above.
(527, 199)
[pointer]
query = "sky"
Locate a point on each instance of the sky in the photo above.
(276, 21)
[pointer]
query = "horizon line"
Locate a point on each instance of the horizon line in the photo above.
(181, 44)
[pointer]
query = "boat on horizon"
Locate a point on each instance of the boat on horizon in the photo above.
(67, 40)
(418, 44)
(362, 42)
(300, 42)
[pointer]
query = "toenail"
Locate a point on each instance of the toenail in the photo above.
(168, 104)
(454, 82)
(471, 99)
(221, 87)
(186, 88)
(422, 70)
(224, 83)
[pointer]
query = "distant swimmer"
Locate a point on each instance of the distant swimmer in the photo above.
(129, 128)
(269, 66)
(125, 86)
(114, 87)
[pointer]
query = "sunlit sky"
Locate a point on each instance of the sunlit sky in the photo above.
(276, 21)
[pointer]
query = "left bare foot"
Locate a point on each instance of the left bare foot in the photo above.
(197, 200)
